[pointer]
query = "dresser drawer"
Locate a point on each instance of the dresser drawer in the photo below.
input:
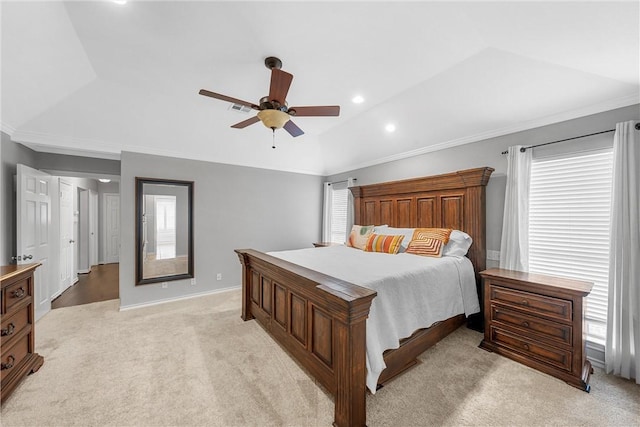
(16, 293)
(557, 357)
(539, 304)
(559, 332)
(12, 356)
(13, 323)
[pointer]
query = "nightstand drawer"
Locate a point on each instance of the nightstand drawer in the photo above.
(12, 356)
(538, 304)
(553, 356)
(547, 329)
(16, 293)
(14, 323)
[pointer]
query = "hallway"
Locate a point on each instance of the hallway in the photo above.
(99, 285)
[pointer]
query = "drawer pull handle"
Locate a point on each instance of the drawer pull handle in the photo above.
(9, 363)
(8, 330)
(18, 293)
(525, 324)
(525, 346)
(525, 302)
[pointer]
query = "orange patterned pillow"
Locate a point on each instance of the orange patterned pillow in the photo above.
(429, 241)
(382, 243)
(359, 236)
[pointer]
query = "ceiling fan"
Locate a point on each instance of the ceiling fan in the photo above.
(273, 110)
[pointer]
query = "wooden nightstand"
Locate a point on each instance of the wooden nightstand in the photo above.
(537, 320)
(324, 244)
(17, 339)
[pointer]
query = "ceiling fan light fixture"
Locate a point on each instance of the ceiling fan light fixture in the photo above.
(273, 119)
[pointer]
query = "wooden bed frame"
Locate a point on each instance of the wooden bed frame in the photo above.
(321, 320)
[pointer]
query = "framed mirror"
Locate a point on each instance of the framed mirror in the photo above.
(164, 230)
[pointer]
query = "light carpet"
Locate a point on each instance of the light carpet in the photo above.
(196, 363)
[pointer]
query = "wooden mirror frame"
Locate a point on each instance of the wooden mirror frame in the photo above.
(140, 182)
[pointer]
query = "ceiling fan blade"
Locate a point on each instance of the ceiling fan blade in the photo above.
(293, 129)
(326, 110)
(280, 83)
(243, 124)
(227, 98)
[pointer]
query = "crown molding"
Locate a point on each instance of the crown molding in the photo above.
(7, 128)
(608, 105)
(46, 143)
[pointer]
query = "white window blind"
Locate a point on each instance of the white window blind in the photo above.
(339, 201)
(570, 203)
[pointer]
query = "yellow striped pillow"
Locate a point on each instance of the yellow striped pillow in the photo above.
(383, 243)
(429, 241)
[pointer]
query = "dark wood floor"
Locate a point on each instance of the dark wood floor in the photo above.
(99, 285)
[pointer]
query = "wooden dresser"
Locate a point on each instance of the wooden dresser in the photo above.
(17, 333)
(537, 320)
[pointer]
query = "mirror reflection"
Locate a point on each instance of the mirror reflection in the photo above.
(164, 233)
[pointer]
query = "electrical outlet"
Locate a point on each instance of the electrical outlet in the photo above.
(193, 281)
(493, 255)
(164, 285)
(219, 276)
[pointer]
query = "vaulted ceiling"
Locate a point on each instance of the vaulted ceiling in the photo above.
(97, 78)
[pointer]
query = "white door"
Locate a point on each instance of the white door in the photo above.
(93, 228)
(33, 217)
(112, 227)
(66, 236)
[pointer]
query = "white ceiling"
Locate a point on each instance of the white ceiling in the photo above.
(96, 78)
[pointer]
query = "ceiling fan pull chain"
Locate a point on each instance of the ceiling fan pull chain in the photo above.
(273, 144)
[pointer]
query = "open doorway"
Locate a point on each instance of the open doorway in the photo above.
(89, 232)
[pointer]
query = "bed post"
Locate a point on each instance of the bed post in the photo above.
(350, 370)
(246, 288)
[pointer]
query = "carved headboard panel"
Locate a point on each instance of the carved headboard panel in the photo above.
(453, 200)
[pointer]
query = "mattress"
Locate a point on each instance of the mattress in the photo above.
(414, 292)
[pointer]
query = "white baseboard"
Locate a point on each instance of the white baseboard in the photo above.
(180, 298)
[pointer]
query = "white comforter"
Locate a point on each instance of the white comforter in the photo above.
(413, 292)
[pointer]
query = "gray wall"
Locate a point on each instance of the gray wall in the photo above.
(61, 162)
(234, 207)
(488, 153)
(10, 154)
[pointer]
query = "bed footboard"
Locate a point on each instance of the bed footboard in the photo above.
(320, 320)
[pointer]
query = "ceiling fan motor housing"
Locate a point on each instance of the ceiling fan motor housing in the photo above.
(272, 62)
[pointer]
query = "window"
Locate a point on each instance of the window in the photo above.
(338, 212)
(570, 203)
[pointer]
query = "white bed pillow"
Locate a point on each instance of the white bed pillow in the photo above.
(458, 245)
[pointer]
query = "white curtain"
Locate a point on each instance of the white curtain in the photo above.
(622, 353)
(326, 213)
(350, 211)
(514, 247)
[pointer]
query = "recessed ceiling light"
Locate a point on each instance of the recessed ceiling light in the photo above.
(105, 180)
(120, 2)
(390, 127)
(358, 99)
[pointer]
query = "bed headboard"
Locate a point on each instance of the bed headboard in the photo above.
(453, 200)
